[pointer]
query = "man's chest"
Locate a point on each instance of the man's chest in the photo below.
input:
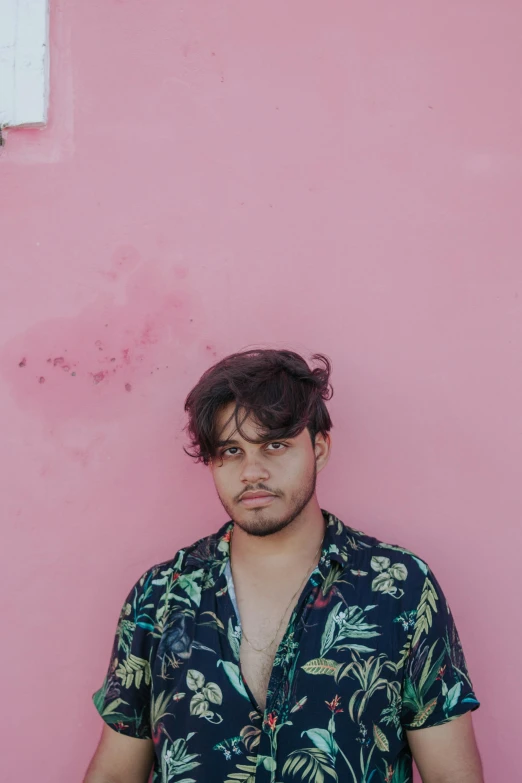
(267, 624)
(329, 671)
(264, 613)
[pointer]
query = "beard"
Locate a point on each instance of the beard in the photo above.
(263, 522)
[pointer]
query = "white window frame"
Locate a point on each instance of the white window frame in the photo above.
(24, 62)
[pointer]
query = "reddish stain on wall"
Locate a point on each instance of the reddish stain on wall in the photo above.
(140, 334)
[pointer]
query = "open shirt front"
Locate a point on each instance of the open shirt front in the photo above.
(371, 649)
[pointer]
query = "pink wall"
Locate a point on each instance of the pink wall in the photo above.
(333, 176)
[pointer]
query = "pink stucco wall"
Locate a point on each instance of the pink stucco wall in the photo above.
(336, 176)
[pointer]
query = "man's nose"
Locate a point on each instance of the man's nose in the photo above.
(254, 470)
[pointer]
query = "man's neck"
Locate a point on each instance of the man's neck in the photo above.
(288, 548)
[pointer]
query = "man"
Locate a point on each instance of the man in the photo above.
(286, 646)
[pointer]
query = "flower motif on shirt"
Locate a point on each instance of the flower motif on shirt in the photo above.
(363, 738)
(229, 747)
(334, 705)
(387, 575)
(406, 619)
(271, 721)
(341, 617)
(389, 774)
(350, 675)
(344, 630)
(206, 693)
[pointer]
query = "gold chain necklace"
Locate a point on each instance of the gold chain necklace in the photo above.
(262, 649)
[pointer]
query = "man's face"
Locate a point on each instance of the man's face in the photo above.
(264, 486)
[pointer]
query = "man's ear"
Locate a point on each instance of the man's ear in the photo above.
(322, 448)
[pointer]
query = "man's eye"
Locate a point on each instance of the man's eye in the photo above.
(276, 443)
(230, 449)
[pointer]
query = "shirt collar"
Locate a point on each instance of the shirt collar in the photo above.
(214, 551)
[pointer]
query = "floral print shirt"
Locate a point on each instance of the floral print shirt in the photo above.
(370, 650)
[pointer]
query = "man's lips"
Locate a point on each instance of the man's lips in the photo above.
(257, 493)
(254, 498)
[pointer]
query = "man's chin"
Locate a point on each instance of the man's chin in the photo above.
(263, 521)
(259, 524)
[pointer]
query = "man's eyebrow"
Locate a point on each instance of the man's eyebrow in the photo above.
(229, 442)
(232, 442)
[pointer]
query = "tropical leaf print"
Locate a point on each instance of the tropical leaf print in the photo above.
(370, 674)
(370, 651)
(133, 670)
(176, 760)
(246, 772)
(380, 563)
(323, 740)
(332, 581)
(309, 764)
(125, 631)
(384, 582)
(346, 623)
(205, 693)
(321, 666)
(405, 652)
(213, 693)
(398, 571)
(451, 696)
(391, 715)
(423, 714)
(198, 705)
(215, 621)
(328, 637)
(109, 711)
(424, 618)
(251, 735)
(429, 670)
(299, 704)
(158, 707)
(399, 773)
(421, 674)
(195, 680)
(190, 585)
(380, 739)
(234, 675)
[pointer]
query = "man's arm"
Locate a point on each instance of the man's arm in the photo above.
(447, 753)
(120, 759)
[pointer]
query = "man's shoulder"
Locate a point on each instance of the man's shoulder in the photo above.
(382, 570)
(201, 554)
(380, 555)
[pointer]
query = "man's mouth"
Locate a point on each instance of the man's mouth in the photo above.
(257, 498)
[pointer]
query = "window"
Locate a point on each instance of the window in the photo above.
(24, 62)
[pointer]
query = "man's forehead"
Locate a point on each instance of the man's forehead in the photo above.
(227, 425)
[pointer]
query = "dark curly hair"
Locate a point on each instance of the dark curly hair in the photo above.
(276, 388)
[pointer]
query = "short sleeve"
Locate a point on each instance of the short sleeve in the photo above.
(436, 686)
(123, 701)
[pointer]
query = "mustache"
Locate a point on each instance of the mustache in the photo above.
(259, 488)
